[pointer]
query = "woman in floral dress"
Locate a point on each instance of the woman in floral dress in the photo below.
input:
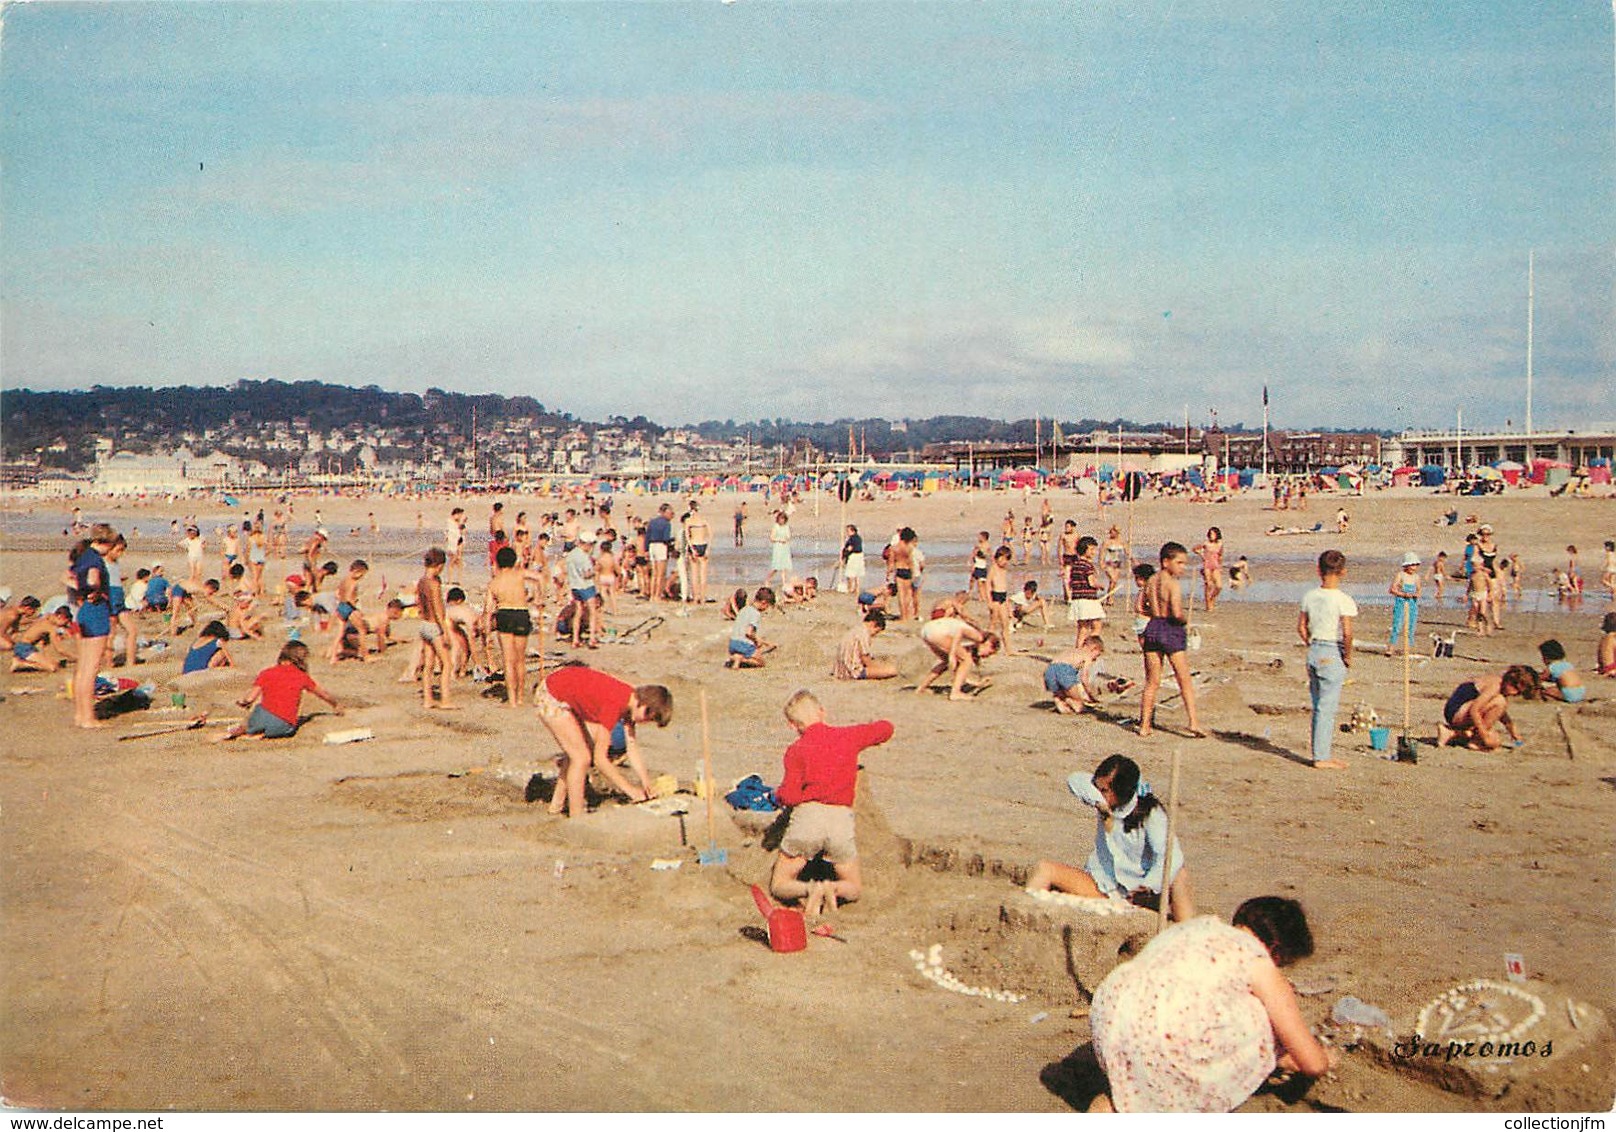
(1201, 1016)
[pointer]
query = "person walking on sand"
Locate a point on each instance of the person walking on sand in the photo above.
(1066, 551)
(780, 551)
(853, 561)
(433, 630)
(1165, 638)
(1113, 559)
(1211, 552)
(1325, 626)
(454, 542)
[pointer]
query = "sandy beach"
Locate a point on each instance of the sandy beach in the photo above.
(396, 924)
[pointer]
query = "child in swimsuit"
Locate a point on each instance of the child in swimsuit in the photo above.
(1142, 573)
(1480, 703)
(999, 594)
(512, 621)
(980, 559)
(1211, 552)
(1165, 639)
(1439, 572)
(1605, 656)
(1113, 556)
(1560, 679)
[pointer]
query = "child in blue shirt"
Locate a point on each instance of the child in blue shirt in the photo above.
(1130, 841)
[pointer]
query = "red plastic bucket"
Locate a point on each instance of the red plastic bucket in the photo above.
(788, 931)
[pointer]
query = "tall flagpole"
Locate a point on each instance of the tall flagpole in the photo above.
(1265, 433)
(1529, 299)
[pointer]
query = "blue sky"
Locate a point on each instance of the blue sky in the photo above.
(820, 210)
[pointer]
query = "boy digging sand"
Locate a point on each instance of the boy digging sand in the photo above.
(821, 779)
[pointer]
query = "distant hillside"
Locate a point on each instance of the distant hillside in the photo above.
(64, 425)
(140, 418)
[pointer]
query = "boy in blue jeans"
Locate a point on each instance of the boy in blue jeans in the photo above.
(1325, 625)
(746, 648)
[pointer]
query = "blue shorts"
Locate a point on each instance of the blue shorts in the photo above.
(115, 599)
(1574, 695)
(95, 619)
(270, 725)
(588, 593)
(1060, 678)
(742, 648)
(22, 650)
(345, 609)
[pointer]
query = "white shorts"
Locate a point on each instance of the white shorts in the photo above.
(1085, 609)
(658, 551)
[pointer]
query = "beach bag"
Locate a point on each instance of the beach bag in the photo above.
(788, 931)
(752, 793)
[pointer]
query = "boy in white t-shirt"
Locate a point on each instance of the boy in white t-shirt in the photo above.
(746, 648)
(1325, 625)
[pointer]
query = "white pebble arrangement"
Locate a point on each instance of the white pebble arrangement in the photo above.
(1093, 905)
(1449, 1010)
(930, 965)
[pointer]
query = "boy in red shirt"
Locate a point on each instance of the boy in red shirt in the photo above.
(277, 694)
(580, 706)
(820, 783)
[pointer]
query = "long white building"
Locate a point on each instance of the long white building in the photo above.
(1458, 450)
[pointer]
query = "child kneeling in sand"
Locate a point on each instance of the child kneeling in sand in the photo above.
(821, 778)
(277, 694)
(1130, 842)
(1074, 679)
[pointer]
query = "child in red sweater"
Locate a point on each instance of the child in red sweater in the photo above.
(819, 786)
(277, 694)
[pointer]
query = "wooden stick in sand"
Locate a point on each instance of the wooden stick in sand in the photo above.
(712, 855)
(1167, 853)
(1408, 644)
(189, 725)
